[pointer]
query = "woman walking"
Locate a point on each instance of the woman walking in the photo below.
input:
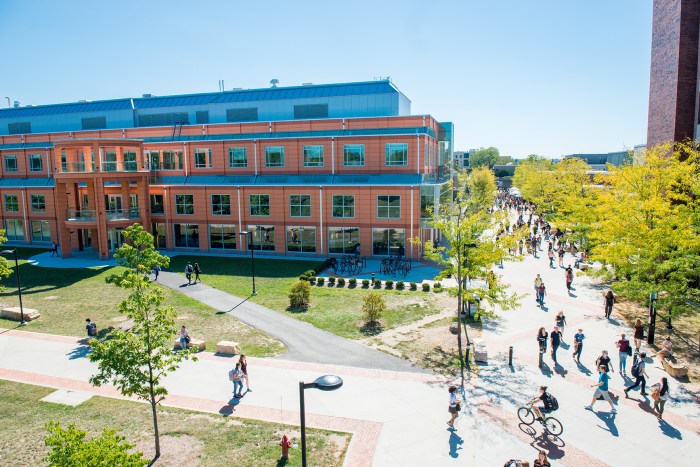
(578, 345)
(236, 375)
(453, 407)
(609, 299)
(197, 272)
(560, 321)
(623, 345)
(541, 460)
(660, 395)
(604, 361)
(638, 334)
(541, 292)
(244, 368)
(542, 339)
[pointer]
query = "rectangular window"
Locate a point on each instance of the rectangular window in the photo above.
(165, 119)
(259, 205)
(237, 158)
(343, 206)
(41, 231)
(354, 155)
(313, 156)
(19, 128)
(154, 160)
(38, 203)
(172, 160)
(299, 205)
(388, 207)
(343, 240)
(311, 111)
(274, 156)
(249, 114)
(94, 123)
(388, 242)
(222, 237)
(186, 235)
(130, 164)
(184, 205)
(202, 158)
(11, 203)
(427, 201)
(35, 163)
(11, 164)
(157, 206)
(301, 239)
(14, 229)
(262, 237)
(109, 163)
(201, 116)
(221, 205)
(159, 235)
(396, 154)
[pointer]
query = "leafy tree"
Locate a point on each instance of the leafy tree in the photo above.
(504, 160)
(136, 362)
(300, 295)
(69, 448)
(534, 178)
(5, 269)
(484, 157)
(373, 307)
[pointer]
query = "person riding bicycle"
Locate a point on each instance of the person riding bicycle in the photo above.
(547, 401)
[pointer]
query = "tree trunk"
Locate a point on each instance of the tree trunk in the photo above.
(156, 435)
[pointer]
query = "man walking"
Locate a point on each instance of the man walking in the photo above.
(569, 278)
(188, 272)
(555, 338)
(54, 249)
(640, 373)
(601, 389)
(578, 345)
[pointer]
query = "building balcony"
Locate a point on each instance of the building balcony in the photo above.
(82, 215)
(106, 167)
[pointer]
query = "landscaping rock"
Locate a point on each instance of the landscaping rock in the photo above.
(674, 368)
(228, 348)
(14, 314)
(199, 344)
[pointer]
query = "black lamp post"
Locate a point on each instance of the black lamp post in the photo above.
(324, 383)
(252, 256)
(652, 318)
(19, 285)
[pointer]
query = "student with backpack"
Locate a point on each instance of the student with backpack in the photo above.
(91, 328)
(541, 292)
(555, 338)
(601, 389)
(603, 360)
(640, 373)
(623, 345)
(550, 403)
(188, 272)
(569, 274)
(156, 271)
(578, 345)
(197, 272)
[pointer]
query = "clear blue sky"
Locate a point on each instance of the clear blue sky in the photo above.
(550, 77)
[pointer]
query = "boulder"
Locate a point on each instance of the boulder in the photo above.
(199, 344)
(228, 348)
(674, 368)
(14, 313)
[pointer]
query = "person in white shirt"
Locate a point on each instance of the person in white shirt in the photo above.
(660, 395)
(453, 407)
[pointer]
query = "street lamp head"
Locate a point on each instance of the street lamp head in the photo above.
(328, 382)
(243, 232)
(7, 252)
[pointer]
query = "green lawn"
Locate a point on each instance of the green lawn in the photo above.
(212, 440)
(338, 310)
(65, 297)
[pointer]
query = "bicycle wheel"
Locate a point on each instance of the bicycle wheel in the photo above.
(526, 416)
(553, 426)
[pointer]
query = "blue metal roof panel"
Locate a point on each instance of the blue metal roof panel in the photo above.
(26, 182)
(58, 109)
(18, 146)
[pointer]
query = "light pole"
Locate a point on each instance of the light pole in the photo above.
(652, 318)
(252, 256)
(324, 383)
(19, 285)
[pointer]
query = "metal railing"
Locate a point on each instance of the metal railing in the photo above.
(81, 215)
(119, 166)
(87, 215)
(122, 214)
(77, 167)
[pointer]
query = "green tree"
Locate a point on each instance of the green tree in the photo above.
(300, 295)
(69, 448)
(136, 362)
(484, 157)
(5, 269)
(373, 307)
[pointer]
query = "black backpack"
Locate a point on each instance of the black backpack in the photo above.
(553, 402)
(637, 367)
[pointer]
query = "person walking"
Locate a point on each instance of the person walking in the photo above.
(156, 271)
(54, 249)
(542, 337)
(660, 395)
(555, 338)
(609, 300)
(623, 345)
(235, 376)
(601, 389)
(538, 281)
(640, 373)
(578, 345)
(560, 321)
(569, 275)
(197, 272)
(638, 334)
(604, 360)
(188, 273)
(184, 337)
(541, 292)
(541, 460)
(244, 368)
(550, 254)
(453, 407)
(561, 255)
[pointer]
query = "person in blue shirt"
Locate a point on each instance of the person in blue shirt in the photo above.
(578, 345)
(601, 389)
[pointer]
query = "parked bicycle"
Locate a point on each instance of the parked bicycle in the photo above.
(551, 425)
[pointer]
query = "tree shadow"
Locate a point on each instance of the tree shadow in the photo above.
(372, 328)
(296, 310)
(669, 430)
(81, 351)
(609, 420)
(455, 442)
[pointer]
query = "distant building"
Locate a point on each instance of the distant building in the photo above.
(462, 158)
(601, 160)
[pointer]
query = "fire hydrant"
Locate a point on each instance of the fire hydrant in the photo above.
(286, 444)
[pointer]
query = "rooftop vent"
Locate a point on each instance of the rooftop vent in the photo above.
(83, 100)
(17, 104)
(274, 82)
(146, 95)
(307, 84)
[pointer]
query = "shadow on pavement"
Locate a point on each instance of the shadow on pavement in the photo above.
(242, 302)
(609, 420)
(456, 442)
(669, 431)
(550, 443)
(583, 369)
(79, 352)
(229, 408)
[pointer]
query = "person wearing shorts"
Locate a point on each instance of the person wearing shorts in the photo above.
(601, 389)
(453, 406)
(546, 403)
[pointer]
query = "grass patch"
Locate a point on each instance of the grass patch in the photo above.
(65, 297)
(218, 440)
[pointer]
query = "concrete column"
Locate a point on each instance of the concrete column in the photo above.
(63, 240)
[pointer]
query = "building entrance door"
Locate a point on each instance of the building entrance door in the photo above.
(114, 239)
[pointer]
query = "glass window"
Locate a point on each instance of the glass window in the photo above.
(159, 229)
(172, 160)
(35, 163)
(157, 206)
(259, 205)
(222, 236)
(237, 158)
(300, 205)
(38, 203)
(274, 156)
(388, 242)
(11, 164)
(184, 204)
(130, 164)
(221, 205)
(397, 154)
(11, 203)
(427, 201)
(343, 240)
(343, 206)
(109, 162)
(353, 155)
(262, 237)
(14, 229)
(41, 231)
(186, 235)
(388, 207)
(313, 156)
(202, 158)
(154, 160)
(301, 239)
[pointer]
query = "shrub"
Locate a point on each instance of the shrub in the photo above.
(377, 284)
(365, 283)
(388, 284)
(300, 295)
(400, 285)
(341, 282)
(307, 275)
(320, 280)
(437, 285)
(373, 307)
(353, 282)
(331, 281)
(426, 287)
(414, 286)
(312, 280)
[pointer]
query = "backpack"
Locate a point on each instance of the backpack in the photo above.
(230, 375)
(637, 368)
(553, 402)
(92, 330)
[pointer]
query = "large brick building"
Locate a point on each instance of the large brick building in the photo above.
(673, 90)
(308, 170)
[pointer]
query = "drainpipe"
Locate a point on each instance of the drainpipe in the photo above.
(418, 152)
(412, 209)
(332, 156)
(24, 212)
(184, 151)
(240, 220)
(320, 214)
(255, 155)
